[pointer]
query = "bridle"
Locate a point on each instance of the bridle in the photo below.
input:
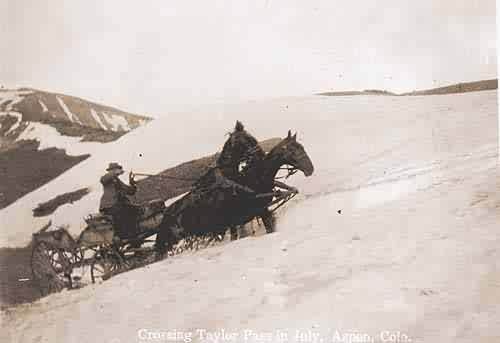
(290, 171)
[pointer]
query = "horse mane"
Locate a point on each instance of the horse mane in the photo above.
(251, 147)
(240, 147)
(253, 156)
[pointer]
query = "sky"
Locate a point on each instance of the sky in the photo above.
(155, 56)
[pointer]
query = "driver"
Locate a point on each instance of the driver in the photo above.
(115, 201)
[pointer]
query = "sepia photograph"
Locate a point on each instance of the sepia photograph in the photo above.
(263, 171)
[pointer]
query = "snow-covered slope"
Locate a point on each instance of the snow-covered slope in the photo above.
(353, 141)
(413, 251)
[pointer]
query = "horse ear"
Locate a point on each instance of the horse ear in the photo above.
(289, 134)
(294, 137)
(239, 126)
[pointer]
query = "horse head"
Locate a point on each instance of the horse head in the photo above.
(292, 153)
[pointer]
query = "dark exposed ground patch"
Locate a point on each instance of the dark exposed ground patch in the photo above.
(88, 134)
(15, 262)
(7, 121)
(48, 207)
(15, 268)
(23, 169)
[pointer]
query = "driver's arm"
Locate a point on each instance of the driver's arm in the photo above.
(129, 190)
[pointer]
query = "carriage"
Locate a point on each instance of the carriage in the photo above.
(56, 254)
(208, 210)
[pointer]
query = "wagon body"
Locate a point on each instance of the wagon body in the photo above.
(99, 231)
(56, 253)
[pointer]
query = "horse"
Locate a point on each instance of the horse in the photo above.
(212, 209)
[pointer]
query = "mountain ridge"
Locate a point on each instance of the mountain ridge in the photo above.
(462, 87)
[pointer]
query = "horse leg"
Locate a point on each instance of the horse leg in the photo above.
(162, 238)
(166, 237)
(234, 232)
(269, 221)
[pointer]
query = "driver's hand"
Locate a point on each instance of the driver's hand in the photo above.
(131, 179)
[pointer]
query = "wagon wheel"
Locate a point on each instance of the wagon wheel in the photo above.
(51, 267)
(105, 264)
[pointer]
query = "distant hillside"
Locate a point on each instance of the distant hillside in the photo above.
(43, 134)
(69, 115)
(459, 88)
(451, 89)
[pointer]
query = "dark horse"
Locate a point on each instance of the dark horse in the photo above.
(213, 208)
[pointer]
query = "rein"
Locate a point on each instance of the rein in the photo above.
(165, 177)
(290, 171)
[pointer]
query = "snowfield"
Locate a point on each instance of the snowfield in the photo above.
(397, 230)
